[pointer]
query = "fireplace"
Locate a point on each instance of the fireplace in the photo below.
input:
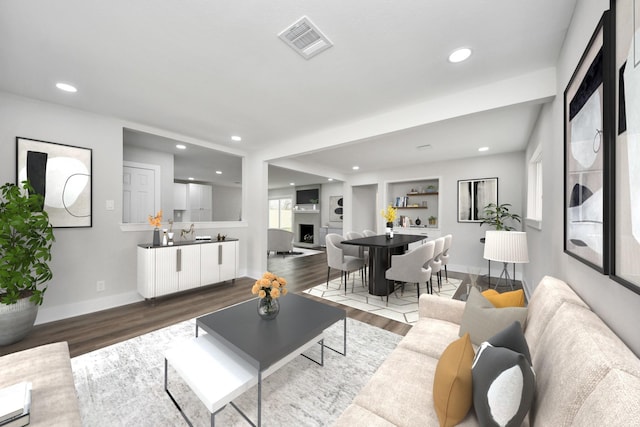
(306, 233)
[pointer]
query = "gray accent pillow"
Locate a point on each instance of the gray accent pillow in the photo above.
(482, 320)
(503, 386)
(512, 338)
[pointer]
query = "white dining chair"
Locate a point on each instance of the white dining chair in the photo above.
(336, 258)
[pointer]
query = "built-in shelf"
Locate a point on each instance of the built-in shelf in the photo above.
(422, 194)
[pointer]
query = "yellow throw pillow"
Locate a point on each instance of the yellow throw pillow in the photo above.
(505, 299)
(452, 387)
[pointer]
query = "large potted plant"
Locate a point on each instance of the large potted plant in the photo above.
(497, 215)
(26, 237)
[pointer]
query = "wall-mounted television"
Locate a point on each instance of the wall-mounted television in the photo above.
(307, 197)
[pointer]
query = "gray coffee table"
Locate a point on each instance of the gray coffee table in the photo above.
(243, 348)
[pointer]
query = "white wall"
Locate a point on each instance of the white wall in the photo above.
(365, 207)
(82, 256)
(614, 303)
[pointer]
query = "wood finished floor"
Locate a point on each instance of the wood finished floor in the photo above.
(97, 330)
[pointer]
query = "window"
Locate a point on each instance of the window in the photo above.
(534, 193)
(280, 213)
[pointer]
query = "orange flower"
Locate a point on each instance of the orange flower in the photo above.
(156, 221)
(269, 286)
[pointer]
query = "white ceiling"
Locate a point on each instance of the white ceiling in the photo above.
(212, 69)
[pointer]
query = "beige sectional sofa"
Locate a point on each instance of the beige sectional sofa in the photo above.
(585, 375)
(53, 395)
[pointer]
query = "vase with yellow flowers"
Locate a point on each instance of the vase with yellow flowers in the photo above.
(155, 222)
(389, 215)
(269, 288)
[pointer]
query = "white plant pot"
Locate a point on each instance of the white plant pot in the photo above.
(17, 320)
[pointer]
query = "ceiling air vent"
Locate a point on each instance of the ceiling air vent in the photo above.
(305, 38)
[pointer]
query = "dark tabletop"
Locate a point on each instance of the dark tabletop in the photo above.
(264, 342)
(382, 241)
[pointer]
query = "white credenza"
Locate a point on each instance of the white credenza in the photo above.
(428, 233)
(165, 270)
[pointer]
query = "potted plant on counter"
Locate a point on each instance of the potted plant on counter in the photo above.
(26, 237)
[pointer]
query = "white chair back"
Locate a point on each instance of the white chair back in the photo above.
(436, 262)
(369, 233)
(335, 255)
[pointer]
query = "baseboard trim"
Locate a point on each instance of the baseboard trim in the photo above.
(52, 314)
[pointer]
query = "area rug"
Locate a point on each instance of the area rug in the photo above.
(402, 307)
(123, 384)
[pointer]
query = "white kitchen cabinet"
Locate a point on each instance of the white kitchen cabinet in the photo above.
(180, 197)
(164, 270)
(200, 202)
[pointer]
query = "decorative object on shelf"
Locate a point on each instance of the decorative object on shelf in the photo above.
(496, 215)
(25, 251)
(155, 222)
(473, 194)
(431, 189)
(170, 235)
(432, 220)
(418, 221)
(269, 288)
(62, 175)
(389, 215)
(185, 231)
(221, 237)
(165, 238)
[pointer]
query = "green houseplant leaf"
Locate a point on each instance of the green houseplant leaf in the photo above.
(26, 238)
(497, 215)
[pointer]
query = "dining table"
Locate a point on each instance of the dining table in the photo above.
(381, 248)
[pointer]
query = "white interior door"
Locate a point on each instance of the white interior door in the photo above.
(138, 194)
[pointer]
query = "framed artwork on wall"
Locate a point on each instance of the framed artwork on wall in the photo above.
(336, 210)
(473, 196)
(62, 174)
(587, 140)
(625, 267)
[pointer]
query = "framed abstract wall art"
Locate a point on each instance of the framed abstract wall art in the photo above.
(587, 137)
(625, 267)
(473, 196)
(62, 174)
(336, 210)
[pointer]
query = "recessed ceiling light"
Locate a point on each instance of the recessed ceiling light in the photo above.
(219, 172)
(236, 138)
(483, 149)
(460, 55)
(66, 87)
(292, 183)
(355, 168)
(181, 147)
(191, 178)
(330, 179)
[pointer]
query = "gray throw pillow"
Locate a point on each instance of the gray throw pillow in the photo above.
(482, 320)
(503, 380)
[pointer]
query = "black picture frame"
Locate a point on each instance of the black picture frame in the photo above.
(63, 175)
(473, 196)
(588, 120)
(625, 149)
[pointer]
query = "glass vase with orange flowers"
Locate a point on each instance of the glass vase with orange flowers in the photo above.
(269, 288)
(155, 222)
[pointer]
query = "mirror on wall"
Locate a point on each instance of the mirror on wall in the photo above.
(190, 183)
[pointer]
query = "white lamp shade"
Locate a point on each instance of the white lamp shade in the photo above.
(506, 246)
